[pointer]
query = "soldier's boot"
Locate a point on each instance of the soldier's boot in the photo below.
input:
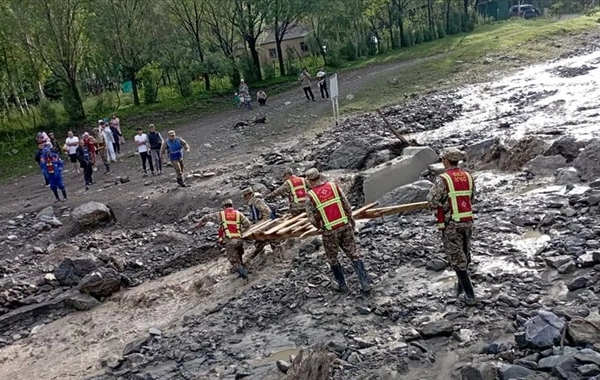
(359, 266)
(338, 273)
(242, 271)
(465, 280)
(458, 287)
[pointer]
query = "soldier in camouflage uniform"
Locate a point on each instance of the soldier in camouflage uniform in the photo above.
(260, 211)
(451, 197)
(296, 196)
(234, 246)
(328, 209)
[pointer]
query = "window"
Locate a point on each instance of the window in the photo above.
(303, 47)
(272, 53)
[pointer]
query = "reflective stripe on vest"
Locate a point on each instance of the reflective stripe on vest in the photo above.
(460, 200)
(328, 202)
(230, 223)
(298, 189)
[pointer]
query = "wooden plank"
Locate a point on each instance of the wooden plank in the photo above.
(259, 227)
(363, 208)
(285, 223)
(296, 225)
(383, 211)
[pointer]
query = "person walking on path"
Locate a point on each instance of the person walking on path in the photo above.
(143, 148)
(295, 189)
(156, 142)
(72, 142)
(52, 166)
(451, 197)
(175, 146)
(231, 224)
(85, 160)
(322, 77)
(304, 80)
(328, 209)
(109, 139)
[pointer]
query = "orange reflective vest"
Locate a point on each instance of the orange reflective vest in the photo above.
(298, 189)
(328, 202)
(459, 185)
(230, 223)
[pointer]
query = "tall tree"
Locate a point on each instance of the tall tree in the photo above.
(126, 29)
(223, 33)
(250, 21)
(189, 14)
(54, 30)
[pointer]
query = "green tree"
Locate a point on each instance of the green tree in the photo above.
(223, 33)
(250, 21)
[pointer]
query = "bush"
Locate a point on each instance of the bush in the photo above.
(105, 104)
(349, 51)
(184, 82)
(440, 29)
(419, 37)
(150, 76)
(248, 69)
(291, 61)
(48, 114)
(269, 70)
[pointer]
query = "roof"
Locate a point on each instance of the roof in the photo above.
(295, 31)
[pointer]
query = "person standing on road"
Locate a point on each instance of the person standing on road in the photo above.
(52, 166)
(260, 211)
(117, 136)
(175, 145)
(451, 197)
(116, 123)
(243, 89)
(85, 160)
(72, 143)
(304, 80)
(102, 152)
(295, 189)
(322, 77)
(328, 209)
(90, 143)
(261, 96)
(231, 225)
(55, 148)
(156, 142)
(143, 148)
(38, 157)
(109, 139)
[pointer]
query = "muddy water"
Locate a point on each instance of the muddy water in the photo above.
(540, 99)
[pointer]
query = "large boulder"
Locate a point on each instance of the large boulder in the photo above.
(567, 176)
(350, 155)
(544, 330)
(588, 161)
(545, 165)
(411, 193)
(70, 271)
(583, 332)
(508, 372)
(566, 146)
(521, 153)
(92, 214)
(102, 282)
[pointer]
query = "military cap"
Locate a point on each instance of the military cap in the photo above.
(312, 174)
(452, 154)
(247, 191)
(288, 171)
(227, 202)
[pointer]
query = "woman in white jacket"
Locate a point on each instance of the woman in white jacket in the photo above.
(109, 139)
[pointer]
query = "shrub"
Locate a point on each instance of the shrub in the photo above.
(150, 76)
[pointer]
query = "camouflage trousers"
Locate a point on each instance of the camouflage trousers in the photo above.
(342, 238)
(234, 249)
(297, 208)
(456, 238)
(259, 247)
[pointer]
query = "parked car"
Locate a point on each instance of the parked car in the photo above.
(527, 11)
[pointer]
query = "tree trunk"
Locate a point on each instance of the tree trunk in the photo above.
(447, 16)
(401, 27)
(72, 101)
(178, 82)
(279, 54)
(41, 91)
(255, 58)
(133, 79)
(18, 101)
(430, 17)
(393, 44)
(466, 6)
(206, 77)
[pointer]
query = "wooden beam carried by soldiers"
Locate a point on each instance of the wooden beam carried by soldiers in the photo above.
(392, 129)
(299, 226)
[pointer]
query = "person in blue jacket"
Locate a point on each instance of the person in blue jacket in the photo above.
(52, 166)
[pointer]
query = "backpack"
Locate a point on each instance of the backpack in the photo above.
(86, 155)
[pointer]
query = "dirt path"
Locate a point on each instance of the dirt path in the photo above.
(213, 139)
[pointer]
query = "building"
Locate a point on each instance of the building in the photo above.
(294, 38)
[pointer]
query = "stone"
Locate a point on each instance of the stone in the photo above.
(350, 155)
(557, 261)
(567, 176)
(283, 366)
(544, 165)
(411, 193)
(587, 260)
(92, 214)
(401, 171)
(583, 332)
(154, 331)
(596, 256)
(578, 283)
(112, 362)
(134, 346)
(437, 328)
(436, 265)
(482, 371)
(544, 329)
(588, 355)
(564, 361)
(588, 161)
(566, 146)
(521, 153)
(102, 282)
(476, 151)
(589, 370)
(508, 372)
(70, 271)
(47, 212)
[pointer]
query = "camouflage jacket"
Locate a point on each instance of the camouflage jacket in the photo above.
(313, 215)
(215, 217)
(257, 201)
(438, 196)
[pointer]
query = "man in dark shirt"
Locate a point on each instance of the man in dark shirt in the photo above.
(156, 142)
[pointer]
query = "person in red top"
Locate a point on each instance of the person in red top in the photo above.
(231, 224)
(329, 211)
(451, 198)
(90, 143)
(294, 188)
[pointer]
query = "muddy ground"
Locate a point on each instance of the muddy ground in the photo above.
(535, 247)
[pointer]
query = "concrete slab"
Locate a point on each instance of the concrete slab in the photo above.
(401, 171)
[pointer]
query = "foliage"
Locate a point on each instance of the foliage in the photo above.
(150, 75)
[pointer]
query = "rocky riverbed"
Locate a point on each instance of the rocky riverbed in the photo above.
(533, 147)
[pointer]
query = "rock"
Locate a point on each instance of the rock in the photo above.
(283, 366)
(578, 283)
(483, 371)
(52, 221)
(508, 372)
(557, 261)
(588, 355)
(154, 331)
(567, 267)
(350, 155)
(589, 370)
(102, 282)
(566, 146)
(123, 179)
(476, 151)
(112, 362)
(524, 151)
(47, 212)
(587, 260)
(362, 310)
(583, 332)
(588, 161)
(437, 328)
(543, 330)
(411, 193)
(436, 265)
(596, 256)
(92, 214)
(134, 346)
(544, 165)
(567, 176)
(70, 271)
(564, 361)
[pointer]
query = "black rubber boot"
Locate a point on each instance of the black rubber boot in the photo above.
(359, 266)
(338, 273)
(465, 280)
(242, 271)
(458, 287)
